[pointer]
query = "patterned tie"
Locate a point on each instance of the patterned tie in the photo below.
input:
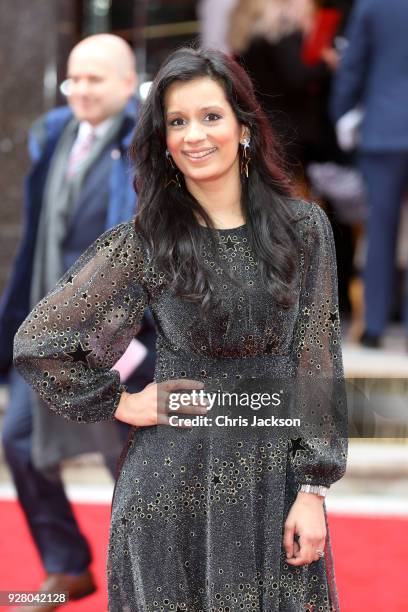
(79, 153)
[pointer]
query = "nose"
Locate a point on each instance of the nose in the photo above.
(195, 132)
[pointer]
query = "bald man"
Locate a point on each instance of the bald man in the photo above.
(101, 77)
(78, 186)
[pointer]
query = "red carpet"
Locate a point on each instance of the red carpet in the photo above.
(371, 558)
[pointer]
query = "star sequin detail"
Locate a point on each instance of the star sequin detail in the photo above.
(296, 446)
(70, 279)
(333, 317)
(216, 479)
(230, 244)
(79, 355)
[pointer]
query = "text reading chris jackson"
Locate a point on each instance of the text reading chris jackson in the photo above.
(254, 401)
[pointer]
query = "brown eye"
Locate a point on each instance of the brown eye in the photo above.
(212, 117)
(176, 122)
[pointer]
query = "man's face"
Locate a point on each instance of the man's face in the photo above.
(97, 89)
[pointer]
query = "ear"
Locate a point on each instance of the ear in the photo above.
(132, 82)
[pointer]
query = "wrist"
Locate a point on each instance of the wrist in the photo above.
(123, 408)
(319, 490)
(309, 497)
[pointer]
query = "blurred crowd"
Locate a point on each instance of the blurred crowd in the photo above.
(331, 78)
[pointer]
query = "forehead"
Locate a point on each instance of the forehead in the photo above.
(193, 95)
(90, 62)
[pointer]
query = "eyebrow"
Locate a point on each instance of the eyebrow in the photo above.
(204, 108)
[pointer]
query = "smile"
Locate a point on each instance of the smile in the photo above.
(199, 154)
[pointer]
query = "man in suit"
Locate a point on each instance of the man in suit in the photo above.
(374, 74)
(79, 185)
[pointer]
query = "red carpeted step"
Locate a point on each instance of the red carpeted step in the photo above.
(371, 561)
(20, 566)
(371, 555)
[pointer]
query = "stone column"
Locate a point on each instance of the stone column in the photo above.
(36, 38)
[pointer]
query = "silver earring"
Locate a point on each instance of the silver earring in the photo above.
(245, 156)
(176, 177)
(170, 159)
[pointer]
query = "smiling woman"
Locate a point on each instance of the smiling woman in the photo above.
(210, 134)
(209, 513)
(203, 134)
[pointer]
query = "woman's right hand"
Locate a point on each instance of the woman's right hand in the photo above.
(151, 406)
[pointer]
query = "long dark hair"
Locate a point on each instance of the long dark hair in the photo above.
(167, 217)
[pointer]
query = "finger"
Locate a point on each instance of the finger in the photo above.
(191, 409)
(165, 406)
(298, 558)
(181, 383)
(165, 420)
(320, 546)
(299, 561)
(305, 553)
(288, 540)
(177, 403)
(179, 406)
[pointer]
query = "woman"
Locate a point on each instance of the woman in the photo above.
(241, 280)
(292, 93)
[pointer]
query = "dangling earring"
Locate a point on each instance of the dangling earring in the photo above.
(175, 178)
(245, 157)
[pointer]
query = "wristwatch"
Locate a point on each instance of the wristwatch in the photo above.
(317, 489)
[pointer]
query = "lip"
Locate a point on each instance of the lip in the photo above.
(199, 154)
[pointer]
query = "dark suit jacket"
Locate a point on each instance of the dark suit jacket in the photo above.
(374, 73)
(107, 198)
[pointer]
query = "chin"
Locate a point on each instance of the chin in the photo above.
(86, 115)
(206, 174)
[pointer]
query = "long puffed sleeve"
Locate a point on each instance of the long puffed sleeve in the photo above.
(318, 456)
(67, 345)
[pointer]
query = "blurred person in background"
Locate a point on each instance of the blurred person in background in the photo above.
(79, 185)
(214, 16)
(373, 75)
(270, 37)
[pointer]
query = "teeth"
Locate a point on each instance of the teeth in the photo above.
(199, 155)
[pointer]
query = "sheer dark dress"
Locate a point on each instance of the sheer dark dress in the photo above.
(198, 513)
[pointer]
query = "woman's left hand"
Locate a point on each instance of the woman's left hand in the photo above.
(306, 518)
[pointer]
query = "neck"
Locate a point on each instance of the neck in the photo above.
(220, 198)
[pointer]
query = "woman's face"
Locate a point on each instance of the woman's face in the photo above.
(202, 131)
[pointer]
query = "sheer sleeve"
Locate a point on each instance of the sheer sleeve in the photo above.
(318, 456)
(67, 345)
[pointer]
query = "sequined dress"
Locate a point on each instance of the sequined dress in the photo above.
(198, 512)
